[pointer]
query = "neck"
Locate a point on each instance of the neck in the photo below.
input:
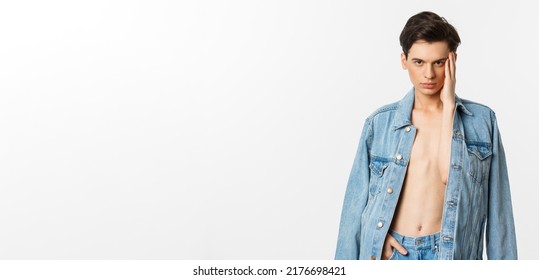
(427, 102)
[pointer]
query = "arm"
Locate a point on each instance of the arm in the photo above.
(355, 200)
(447, 96)
(500, 231)
(444, 153)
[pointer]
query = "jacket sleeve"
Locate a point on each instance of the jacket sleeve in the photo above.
(500, 230)
(355, 199)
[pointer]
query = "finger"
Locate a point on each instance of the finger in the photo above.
(399, 247)
(386, 254)
(387, 249)
(453, 65)
(447, 64)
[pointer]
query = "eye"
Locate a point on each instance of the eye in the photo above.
(418, 62)
(439, 63)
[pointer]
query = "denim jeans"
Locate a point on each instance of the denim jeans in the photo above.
(419, 248)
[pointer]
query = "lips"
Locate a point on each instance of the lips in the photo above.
(428, 85)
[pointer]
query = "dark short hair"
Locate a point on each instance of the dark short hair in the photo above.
(429, 27)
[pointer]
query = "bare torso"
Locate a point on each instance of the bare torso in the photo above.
(419, 211)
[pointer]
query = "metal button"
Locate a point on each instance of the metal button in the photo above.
(407, 129)
(380, 224)
(389, 190)
(399, 156)
(373, 258)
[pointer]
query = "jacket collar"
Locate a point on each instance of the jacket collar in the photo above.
(404, 109)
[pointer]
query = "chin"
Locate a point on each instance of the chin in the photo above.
(426, 91)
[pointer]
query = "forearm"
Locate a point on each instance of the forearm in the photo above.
(446, 134)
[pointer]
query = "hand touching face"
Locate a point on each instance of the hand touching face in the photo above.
(426, 64)
(447, 95)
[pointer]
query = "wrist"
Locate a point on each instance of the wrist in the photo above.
(449, 106)
(448, 100)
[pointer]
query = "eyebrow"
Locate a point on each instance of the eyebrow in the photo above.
(418, 59)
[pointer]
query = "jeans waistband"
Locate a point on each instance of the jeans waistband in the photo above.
(430, 241)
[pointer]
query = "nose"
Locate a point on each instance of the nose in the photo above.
(429, 72)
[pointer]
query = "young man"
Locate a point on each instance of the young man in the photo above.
(429, 175)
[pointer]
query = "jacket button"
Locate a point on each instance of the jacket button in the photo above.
(380, 224)
(373, 257)
(389, 190)
(407, 129)
(399, 156)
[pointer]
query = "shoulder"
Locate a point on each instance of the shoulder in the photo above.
(479, 120)
(476, 109)
(476, 106)
(385, 109)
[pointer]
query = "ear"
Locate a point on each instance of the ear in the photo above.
(403, 61)
(455, 56)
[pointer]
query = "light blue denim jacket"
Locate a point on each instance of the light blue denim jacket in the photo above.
(477, 195)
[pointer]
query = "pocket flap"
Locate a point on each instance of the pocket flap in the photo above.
(378, 165)
(480, 149)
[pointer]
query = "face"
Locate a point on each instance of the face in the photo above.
(426, 66)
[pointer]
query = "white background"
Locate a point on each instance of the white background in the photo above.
(224, 129)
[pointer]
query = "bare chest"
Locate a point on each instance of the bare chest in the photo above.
(425, 149)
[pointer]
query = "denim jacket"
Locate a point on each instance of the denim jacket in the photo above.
(477, 196)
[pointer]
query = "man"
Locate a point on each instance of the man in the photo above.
(429, 177)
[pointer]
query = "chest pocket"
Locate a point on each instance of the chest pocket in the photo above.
(378, 166)
(479, 158)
